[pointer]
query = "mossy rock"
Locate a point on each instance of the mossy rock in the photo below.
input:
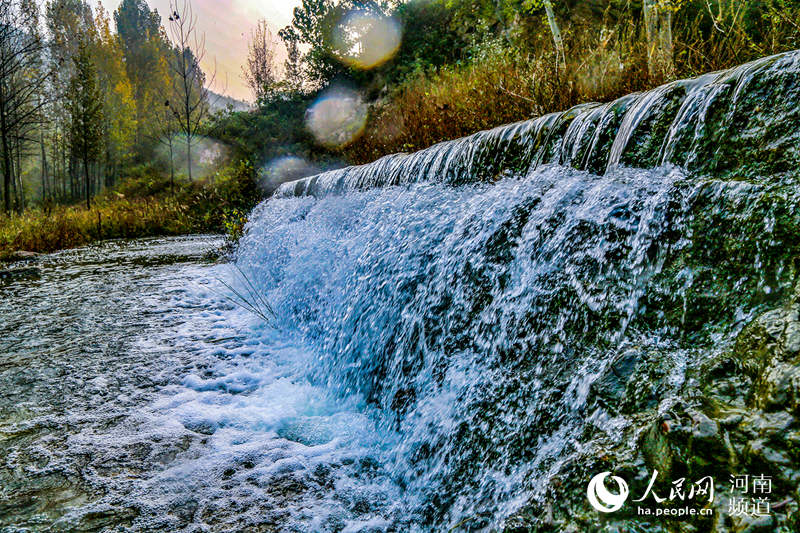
(735, 414)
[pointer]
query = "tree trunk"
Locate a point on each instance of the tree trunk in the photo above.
(44, 166)
(73, 192)
(189, 155)
(6, 161)
(59, 185)
(88, 183)
(6, 180)
(14, 198)
(551, 20)
(171, 166)
(18, 173)
(658, 27)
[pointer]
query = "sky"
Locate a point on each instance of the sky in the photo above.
(227, 25)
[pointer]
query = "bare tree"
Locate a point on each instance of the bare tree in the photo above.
(260, 71)
(22, 78)
(190, 95)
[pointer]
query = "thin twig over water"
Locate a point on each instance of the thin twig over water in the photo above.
(249, 298)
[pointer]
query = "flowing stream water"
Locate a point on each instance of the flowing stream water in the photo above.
(441, 343)
(136, 394)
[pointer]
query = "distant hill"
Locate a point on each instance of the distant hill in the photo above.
(220, 102)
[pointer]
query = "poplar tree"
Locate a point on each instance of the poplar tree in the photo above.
(145, 47)
(85, 107)
(555, 32)
(119, 105)
(69, 23)
(260, 71)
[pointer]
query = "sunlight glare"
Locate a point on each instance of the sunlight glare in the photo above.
(338, 117)
(367, 40)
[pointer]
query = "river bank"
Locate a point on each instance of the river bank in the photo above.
(144, 207)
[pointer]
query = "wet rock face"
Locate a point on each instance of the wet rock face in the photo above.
(590, 325)
(737, 414)
(636, 380)
(576, 326)
(756, 126)
(769, 353)
(649, 124)
(738, 252)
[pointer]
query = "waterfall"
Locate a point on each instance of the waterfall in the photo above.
(736, 122)
(489, 297)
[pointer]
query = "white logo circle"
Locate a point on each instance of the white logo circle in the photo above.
(600, 497)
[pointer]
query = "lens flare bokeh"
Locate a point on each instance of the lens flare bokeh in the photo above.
(208, 155)
(338, 117)
(283, 169)
(366, 40)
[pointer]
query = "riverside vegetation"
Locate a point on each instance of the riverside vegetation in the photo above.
(139, 207)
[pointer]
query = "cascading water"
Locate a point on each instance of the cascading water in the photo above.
(463, 337)
(473, 318)
(736, 122)
(501, 303)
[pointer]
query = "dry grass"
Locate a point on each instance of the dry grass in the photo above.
(604, 63)
(453, 103)
(704, 43)
(69, 226)
(493, 90)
